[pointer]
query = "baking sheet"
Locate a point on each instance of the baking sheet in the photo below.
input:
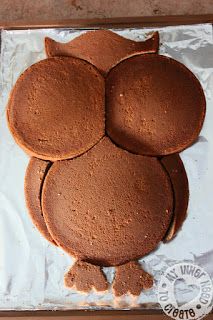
(31, 269)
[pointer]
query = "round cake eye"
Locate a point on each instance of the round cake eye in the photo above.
(56, 109)
(117, 117)
(163, 109)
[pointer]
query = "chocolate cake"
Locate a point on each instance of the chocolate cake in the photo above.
(117, 186)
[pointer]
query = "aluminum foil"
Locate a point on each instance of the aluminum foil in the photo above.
(31, 269)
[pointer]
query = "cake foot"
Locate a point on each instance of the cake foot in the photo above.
(84, 276)
(131, 278)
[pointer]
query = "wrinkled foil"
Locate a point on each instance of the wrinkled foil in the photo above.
(31, 269)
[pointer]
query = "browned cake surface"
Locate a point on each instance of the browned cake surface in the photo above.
(131, 278)
(108, 206)
(34, 178)
(56, 108)
(102, 48)
(155, 105)
(175, 168)
(84, 276)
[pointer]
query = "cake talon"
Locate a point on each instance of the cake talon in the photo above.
(84, 277)
(131, 278)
